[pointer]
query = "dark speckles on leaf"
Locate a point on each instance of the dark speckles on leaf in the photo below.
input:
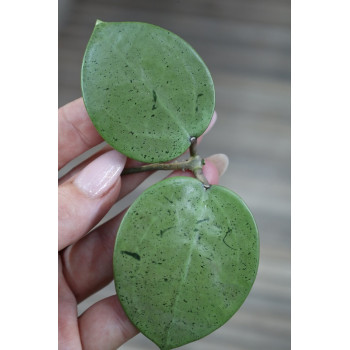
(224, 240)
(154, 96)
(198, 96)
(154, 100)
(134, 255)
(203, 220)
(155, 262)
(170, 201)
(163, 231)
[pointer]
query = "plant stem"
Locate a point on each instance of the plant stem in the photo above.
(185, 165)
(193, 147)
(194, 163)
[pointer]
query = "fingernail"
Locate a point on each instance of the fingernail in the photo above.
(220, 161)
(100, 176)
(212, 122)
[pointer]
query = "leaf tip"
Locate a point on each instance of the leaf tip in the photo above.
(98, 21)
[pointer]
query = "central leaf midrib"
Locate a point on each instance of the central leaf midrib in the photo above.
(149, 84)
(139, 71)
(184, 277)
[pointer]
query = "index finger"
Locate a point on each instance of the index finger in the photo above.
(76, 133)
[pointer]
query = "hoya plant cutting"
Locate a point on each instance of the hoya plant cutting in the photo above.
(186, 253)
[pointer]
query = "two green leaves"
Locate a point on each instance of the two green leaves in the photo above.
(185, 257)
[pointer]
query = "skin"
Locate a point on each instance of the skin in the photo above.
(84, 257)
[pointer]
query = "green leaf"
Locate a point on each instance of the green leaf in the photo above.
(185, 259)
(145, 89)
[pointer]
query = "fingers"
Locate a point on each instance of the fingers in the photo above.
(130, 182)
(86, 197)
(130, 163)
(76, 133)
(85, 332)
(88, 264)
(220, 161)
(106, 315)
(68, 331)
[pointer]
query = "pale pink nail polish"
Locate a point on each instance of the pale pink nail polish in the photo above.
(100, 175)
(220, 161)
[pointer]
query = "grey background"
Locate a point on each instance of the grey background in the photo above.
(246, 45)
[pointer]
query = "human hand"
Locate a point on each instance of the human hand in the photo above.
(85, 265)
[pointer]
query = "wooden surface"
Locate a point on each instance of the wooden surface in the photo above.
(246, 45)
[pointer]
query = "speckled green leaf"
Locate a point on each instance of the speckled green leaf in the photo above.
(145, 89)
(185, 259)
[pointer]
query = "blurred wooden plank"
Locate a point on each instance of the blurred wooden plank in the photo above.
(263, 11)
(223, 31)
